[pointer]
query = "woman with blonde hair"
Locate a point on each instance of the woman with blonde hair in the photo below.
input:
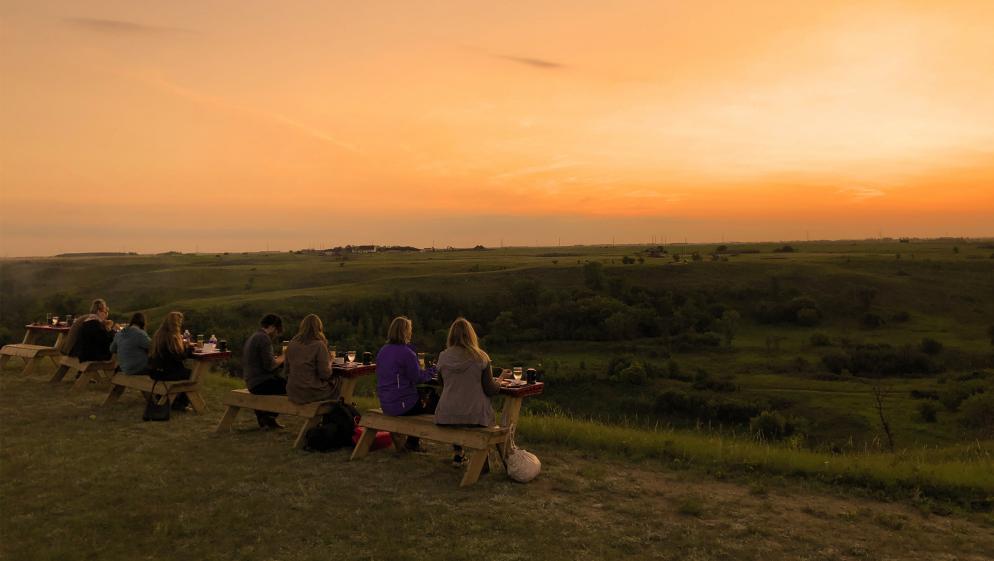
(467, 382)
(167, 353)
(398, 374)
(308, 364)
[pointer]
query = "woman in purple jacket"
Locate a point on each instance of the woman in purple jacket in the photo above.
(398, 374)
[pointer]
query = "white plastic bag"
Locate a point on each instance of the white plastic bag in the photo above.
(522, 465)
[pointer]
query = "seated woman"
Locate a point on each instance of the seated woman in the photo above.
(467, 382)
(398, 374)
(308, 365)
(167, 355)
(131, 345)
(90, 336)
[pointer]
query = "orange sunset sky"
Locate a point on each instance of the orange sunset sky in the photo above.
(241, 125)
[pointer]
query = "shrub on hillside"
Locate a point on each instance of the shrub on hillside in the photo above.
(769, 425)
(692, 341)
(928, 412)
(930, 346)
(978, 412)
(807, 317)
(836, 362)
(871, 320)
(703, 381)
(900, 316)
(820, 339)
(925, 394)
(955, 394)
(634, 374)
(709, 408)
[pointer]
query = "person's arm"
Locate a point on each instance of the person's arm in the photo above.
(491, 387)
(113, 345)
(413, 371)
(322, 363)
(264, 348)
(145, 342)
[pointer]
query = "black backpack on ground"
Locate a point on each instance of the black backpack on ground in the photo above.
(335, 431)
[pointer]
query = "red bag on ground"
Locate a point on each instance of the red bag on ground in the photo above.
(382, 439)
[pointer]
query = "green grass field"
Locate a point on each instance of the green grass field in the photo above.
(78, 481)
(626, 473)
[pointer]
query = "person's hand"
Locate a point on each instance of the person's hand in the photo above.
(109, 325)
(505, 373)
(280, 360)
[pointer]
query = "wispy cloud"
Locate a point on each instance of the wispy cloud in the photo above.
(157, 81)
(861, 193)
(533, 62)
(121, 27)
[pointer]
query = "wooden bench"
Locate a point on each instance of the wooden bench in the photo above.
(99, 371)
(31, 354)
(479, 441)
(145, 384)
(236, 400)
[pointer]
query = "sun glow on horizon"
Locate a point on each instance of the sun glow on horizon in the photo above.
(766, 117)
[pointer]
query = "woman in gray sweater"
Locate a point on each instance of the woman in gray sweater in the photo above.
(467, 382)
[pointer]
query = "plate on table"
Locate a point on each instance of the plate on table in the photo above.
(515, 383)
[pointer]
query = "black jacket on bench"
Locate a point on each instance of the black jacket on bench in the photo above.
(94, 342)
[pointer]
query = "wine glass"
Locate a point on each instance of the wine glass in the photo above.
(350, 356)
(48, 318)
(55, 321)
(517, 373)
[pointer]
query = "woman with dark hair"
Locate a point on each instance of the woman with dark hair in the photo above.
(398, 374)
(308, 364)
(260, 367)
(131, 345)
(167, 355)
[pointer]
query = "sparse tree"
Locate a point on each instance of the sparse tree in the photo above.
(879, 393)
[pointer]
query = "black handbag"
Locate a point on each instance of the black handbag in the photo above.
(156, 410)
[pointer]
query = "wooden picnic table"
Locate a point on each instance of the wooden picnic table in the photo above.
(514, 394)
(350, 376)
(191, 387)
(30, 350)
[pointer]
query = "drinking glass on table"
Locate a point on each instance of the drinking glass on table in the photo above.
(55, 320)
(48, 319)
(285, 345)
(517, 373)
(421, 360)
(350, 356)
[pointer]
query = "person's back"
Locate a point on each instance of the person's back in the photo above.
(397, 376)
(309, 375)
(258, 363)
(131, 345)
(94, 341)
(467, 385)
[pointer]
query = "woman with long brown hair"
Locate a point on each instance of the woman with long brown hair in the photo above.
(467, 382)
(308, 364)
(167, 354)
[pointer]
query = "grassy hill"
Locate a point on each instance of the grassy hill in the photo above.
(78, 481)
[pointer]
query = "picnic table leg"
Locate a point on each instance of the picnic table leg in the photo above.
(348, 388)
(84, 380)
(398, 441)
(301, 436)
(365, 442)
(476, 461)
(54, 360)
(29, 365)
(60, 373)
(115, 392)
(508, 417)
(229, 417)
(197, 401)
(58, 339)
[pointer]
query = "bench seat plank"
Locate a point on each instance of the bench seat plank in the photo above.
(236, 400)
(423, 426)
